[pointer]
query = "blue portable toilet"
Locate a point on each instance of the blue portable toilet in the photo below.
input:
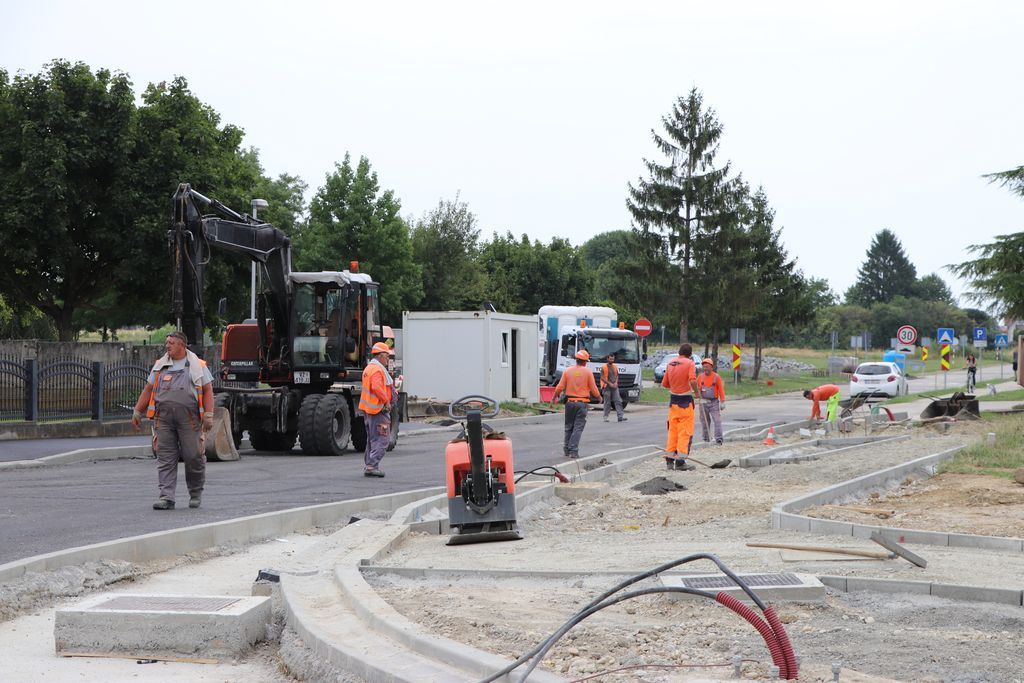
(900, 359)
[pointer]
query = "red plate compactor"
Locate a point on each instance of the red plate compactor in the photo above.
(481, 478)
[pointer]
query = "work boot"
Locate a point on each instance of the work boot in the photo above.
(195, 501)
(373, 473)
(681, 464)
(623, 419)
(163, 504)
(606, 419)
(670, 460)
(718, 441)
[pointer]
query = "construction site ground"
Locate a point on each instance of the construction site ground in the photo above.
(889, 637)
(875, 636)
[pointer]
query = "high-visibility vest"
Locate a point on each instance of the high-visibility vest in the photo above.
(151, 409)
(368, 401)
(609, 370)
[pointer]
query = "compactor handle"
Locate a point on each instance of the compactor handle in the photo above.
(487, 407)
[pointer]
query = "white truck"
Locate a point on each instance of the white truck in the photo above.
(564, 330)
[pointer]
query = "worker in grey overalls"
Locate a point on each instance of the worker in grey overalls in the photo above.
(179, 396)
(712, 400)
(376, 397)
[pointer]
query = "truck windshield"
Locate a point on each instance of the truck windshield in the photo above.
(625, 348)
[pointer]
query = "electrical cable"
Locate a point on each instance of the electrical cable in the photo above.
(557, 473)
(628, 582)
(637, 667)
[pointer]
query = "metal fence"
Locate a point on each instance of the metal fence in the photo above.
(73, 388)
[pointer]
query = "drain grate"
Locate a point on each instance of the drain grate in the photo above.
(752, 580)
(155, 603)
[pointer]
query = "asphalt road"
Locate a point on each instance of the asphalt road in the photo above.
(56, 507)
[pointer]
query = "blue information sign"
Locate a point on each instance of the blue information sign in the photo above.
(1002, 341)
(980, 334)
(945, 335)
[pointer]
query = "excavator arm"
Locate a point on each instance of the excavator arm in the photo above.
(190, 239)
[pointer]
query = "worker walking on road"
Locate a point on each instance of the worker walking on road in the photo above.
(822, 393)
(579, 387)
(178, 396)
(681, 380)
(610, 388)
(712, 400)
(375, 400)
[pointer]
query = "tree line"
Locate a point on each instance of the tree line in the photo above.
(86, 175)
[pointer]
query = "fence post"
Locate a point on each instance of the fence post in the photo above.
(31, 390)
(97, 391)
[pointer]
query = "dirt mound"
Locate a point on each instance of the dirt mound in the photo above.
(658, 486)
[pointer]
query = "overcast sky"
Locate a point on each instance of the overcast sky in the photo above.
(853, 116)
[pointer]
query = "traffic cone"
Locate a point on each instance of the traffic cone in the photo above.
(770, 439)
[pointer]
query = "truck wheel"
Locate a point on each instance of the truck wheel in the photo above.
(224, 401)
(307, 424)
(359, 434)
(331, 422)
(263, 440)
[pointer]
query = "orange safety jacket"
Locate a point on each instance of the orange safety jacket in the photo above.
(707, 380)
(578, 384)
(151, 408)
(376, 392)
(612, 370)
(822, 393)
(680, 372)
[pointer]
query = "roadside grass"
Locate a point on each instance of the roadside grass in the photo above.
(748, 388)
(517, 408)
(1001, 460)
(1016, 395)
(981, 393)
(136, 335)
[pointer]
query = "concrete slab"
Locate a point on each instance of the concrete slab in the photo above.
(1005, 596)
(167, 627)
(582, 490)
(785, 587)
(857, 583)
(1013, 545)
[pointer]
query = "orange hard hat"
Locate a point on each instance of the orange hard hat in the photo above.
(582, 355)
(708, 361)
(380, 347)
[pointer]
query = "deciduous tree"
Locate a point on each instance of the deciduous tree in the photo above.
(446, 245)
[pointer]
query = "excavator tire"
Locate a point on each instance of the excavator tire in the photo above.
(271, 441)
(221, 401)
(359, 434)
(331, 424)
(307, 423)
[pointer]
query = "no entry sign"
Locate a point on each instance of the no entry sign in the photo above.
(643, 327)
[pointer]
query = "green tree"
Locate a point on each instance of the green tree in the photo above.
(65, 187)
(350, 218)
(885, 273)
(446, 245)
(633, 273)
(681, 195)
(522, 276)
(932, 287)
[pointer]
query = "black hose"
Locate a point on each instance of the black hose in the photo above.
(629, 581)
(524, 473)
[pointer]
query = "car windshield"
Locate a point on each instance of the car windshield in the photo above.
(875, 369)
(626, 349)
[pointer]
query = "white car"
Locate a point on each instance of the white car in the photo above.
(659, 371)
(880, 378)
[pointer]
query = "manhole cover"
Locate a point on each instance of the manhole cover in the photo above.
(156, 603)
(752, 580)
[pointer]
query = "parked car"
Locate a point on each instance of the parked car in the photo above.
(660, 368)
(879, 378)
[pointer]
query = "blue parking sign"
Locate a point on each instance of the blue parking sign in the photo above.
(980, 334)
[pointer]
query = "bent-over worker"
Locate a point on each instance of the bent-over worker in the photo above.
(375, 400)
(178, 396)
(579, 387)
(822, 393)
(610, 388)
(712, 400)
(681, 381)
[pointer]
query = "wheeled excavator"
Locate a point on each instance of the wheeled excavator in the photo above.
(304, 355)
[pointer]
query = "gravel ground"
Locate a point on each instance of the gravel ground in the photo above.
(883, 637)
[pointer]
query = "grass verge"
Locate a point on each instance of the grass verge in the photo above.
(1000, 460)
(748, 388)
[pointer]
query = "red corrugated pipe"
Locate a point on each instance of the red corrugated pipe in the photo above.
(766, 631)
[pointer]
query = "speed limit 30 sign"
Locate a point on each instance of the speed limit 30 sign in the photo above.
(906, 334)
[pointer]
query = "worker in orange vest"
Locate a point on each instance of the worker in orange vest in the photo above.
(712, 400)
(579, 387)
(681, 380)
(375, 400)
(822, 393)
(610, 388)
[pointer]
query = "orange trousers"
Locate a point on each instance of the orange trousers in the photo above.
(680, 429)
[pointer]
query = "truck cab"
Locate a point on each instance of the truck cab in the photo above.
(600, 342)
